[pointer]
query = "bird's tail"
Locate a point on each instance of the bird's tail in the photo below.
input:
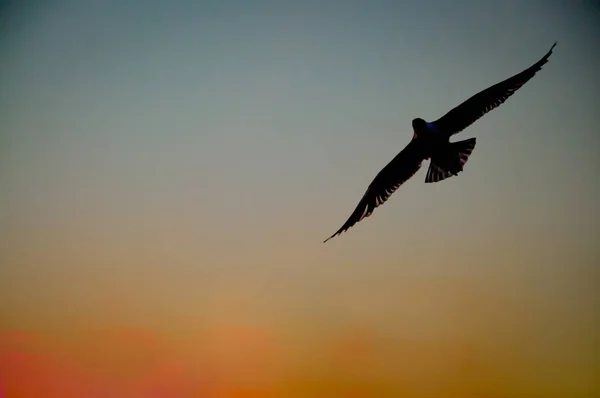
(450, 160)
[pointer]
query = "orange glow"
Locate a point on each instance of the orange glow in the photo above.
(240, 362)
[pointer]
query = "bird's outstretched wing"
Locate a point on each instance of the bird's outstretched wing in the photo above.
(389, 179)
(481, 103)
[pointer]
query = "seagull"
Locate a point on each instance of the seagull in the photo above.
(431, 141)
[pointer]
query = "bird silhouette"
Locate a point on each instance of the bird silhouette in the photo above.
(431, 140)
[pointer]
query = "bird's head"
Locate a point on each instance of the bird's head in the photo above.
(418, 126)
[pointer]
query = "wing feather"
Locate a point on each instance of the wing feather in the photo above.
(483, 102)
(387, 181)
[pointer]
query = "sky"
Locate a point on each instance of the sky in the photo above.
(169, 170)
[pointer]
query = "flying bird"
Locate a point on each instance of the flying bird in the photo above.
(431, 141)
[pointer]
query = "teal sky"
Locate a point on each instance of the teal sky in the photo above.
(155, 154)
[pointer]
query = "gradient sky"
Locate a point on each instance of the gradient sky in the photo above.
(174, 167)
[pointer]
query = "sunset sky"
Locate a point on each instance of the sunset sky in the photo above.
(168, 171)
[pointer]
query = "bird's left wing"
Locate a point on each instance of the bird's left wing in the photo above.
(389, 179)
(481, 103)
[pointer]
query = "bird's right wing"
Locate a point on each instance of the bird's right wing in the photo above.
(481, 103)
(389, 179)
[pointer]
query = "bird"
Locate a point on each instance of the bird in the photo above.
(431, 141)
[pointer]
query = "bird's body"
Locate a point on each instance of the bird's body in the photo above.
(431, 141)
